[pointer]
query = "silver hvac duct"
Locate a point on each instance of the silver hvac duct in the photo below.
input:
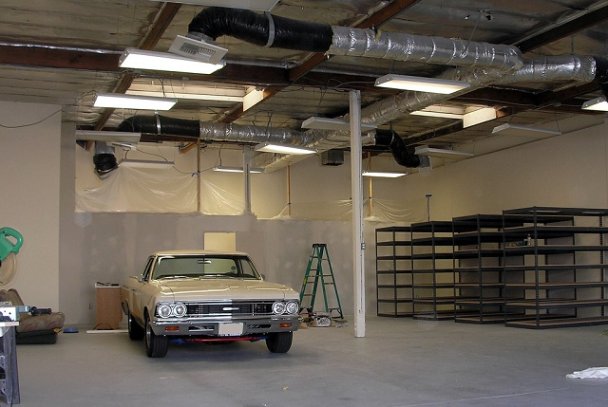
(416, 48)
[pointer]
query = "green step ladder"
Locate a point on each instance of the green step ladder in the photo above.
(317, 274)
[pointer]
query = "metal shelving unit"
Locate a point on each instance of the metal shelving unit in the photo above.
(432, 270)
(561, 276)
(393, 272)
(478, 268)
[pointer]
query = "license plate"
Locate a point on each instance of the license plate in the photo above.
(233, 329)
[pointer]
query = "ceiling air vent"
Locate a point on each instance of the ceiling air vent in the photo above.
(198, 49)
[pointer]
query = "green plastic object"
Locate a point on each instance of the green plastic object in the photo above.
(10, 242)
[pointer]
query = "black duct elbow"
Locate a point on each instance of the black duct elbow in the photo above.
(262, 29)
(402, 154)
(161, 125)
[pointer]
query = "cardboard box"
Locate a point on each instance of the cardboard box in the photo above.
(108, 312)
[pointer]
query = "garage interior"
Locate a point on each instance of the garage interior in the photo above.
(94, 190)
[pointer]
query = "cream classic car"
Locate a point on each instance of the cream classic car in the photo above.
(206, 296)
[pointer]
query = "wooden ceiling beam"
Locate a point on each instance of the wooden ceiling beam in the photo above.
(544, 37)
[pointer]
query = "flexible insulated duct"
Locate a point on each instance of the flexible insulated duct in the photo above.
(273, 31)
(262, 29)
(217, 132)
(402, 154)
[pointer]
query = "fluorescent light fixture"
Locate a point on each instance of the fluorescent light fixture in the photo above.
(259, 5)
(121, 101)
(108, 136)
(440, 152)
(520, 130)
(145, 163)
(324, 123)
(420, 84)
(226, 168)
(283, 149)
(383, 174)
(599, 104)
(163, 61)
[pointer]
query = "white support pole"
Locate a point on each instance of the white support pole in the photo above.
(247, 156)
(357, 220)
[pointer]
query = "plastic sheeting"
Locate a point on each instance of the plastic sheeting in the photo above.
(141, 190)
(590, 373)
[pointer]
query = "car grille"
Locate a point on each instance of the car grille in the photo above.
(230, 308)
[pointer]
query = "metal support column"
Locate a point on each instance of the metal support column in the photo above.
(357, 220)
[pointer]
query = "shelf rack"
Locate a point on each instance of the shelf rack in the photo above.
(478, 268)
(393, 272)
(560, 273)
(432, 270)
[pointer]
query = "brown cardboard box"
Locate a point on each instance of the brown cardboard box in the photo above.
(108, 313)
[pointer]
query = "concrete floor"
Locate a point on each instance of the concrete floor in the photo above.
(401, 362)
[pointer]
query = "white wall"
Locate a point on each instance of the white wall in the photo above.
(29, 196)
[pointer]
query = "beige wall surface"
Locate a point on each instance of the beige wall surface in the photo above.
(29, 196)
(66, 252)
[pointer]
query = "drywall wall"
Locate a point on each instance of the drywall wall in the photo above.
(29, 188)
(568, 170)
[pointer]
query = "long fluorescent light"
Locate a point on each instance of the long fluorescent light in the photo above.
(163, 61)
(325, 123)
(420, 84)
(226, 168)
(599, 104)
(383, 174)
(283, 149)
(121, 101)
(440, 152)
(519, 130)
(108, 136)
(145, 163)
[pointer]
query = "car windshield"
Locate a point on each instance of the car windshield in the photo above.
(176, 267)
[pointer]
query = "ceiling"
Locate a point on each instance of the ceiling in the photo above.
(66, 51)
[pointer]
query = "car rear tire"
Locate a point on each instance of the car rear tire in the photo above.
(279, 342)
(136, 332)
(156, 345)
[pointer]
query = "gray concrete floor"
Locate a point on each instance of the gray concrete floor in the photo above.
(401, 362)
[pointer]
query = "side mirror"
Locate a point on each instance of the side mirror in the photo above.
(263, 276)
(138, 278)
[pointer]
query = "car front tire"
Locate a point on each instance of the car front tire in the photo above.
(156, 345)
(279, 342)
(136, 332)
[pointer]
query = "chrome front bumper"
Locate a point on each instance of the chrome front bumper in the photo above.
(229, 327)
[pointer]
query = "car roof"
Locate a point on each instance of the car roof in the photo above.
(197, 252)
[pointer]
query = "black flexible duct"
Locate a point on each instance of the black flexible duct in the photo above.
(262, 29)
(403, 154)
(161, 125)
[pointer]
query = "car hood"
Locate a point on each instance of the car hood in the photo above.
(224, 289)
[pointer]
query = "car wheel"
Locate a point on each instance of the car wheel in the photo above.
(136, 332)
(156, 345)
(279, 342)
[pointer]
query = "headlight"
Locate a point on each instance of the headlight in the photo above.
(278, 307)
(163, 310)
(292, 307)
(179, 310)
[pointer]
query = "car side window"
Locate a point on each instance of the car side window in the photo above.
(148, 269)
